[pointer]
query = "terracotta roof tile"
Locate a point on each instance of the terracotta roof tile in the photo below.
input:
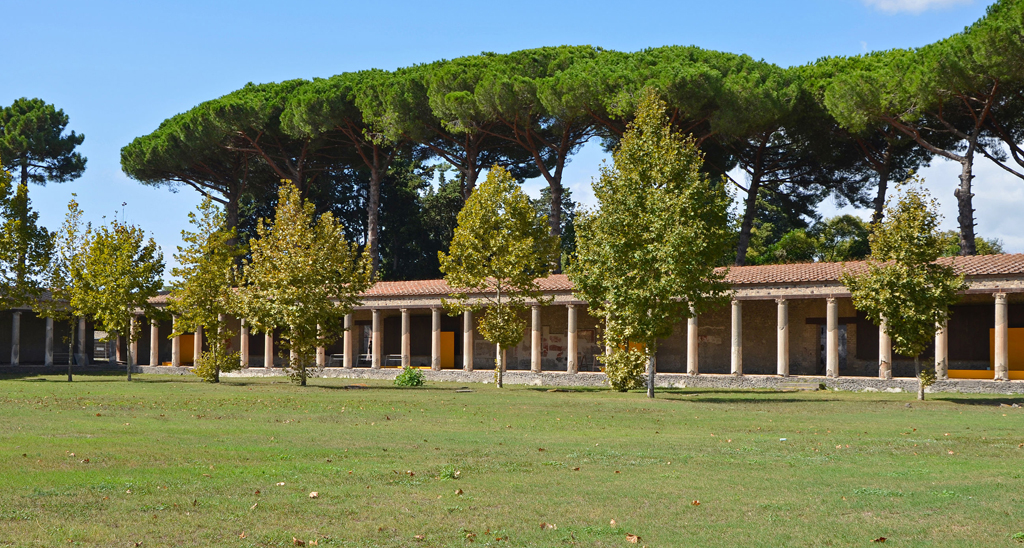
(984, 265)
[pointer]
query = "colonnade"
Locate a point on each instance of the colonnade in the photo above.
(1000, 354)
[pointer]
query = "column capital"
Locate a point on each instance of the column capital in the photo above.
(830, 299)
(570, 305)
(1000, 296)
(781, 300)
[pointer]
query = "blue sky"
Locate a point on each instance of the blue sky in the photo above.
(119, 68)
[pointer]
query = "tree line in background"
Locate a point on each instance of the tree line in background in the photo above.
(367, 145)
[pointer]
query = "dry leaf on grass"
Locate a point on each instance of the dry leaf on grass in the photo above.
(280, 483)
(314, 495)
(632, 538)
(548, 526)
(419, 537)
(458, 491)
(242, 535)
(695, 503)
(879, 539)
(612, 523)
(298, 542)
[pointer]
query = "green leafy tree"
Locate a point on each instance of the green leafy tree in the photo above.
(841, 238)
(69, 247)
(202, 296)
(646, 257)
(303, 278)
(32, 141)
(24, 249)
(501, 247)
(903, 284)
(119, 271)
(983, 246)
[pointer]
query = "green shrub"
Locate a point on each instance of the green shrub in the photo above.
(409, 377)
(625, 369)
(209, 365)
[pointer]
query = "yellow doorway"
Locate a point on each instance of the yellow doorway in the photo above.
(447, 350)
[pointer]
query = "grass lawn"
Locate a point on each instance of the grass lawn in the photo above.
(169, 461)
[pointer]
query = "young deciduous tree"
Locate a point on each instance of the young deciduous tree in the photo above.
(501, 247)
(646, 256)
(24, 248)
(903, 283)
(304, 277)
(68, 251)
(115, 278)
(202, 298)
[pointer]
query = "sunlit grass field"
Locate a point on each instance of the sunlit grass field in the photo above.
(169, 461)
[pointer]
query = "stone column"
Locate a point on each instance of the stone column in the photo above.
(321, 352)
(941, 351)
(1002, 350)
(133, 345)
(832, 338)
(737, 338)
(197, 344)
(571, 366)
(435, 338)
(782, 344)
(81, 341)
(348, 343)
(884, 352)
(377, 341)
(154, 342)
(268, 349)
(243, 343)
(535, 339)
(175, 344)
(16, 338)
(48, 356)
(692, 345)
(467, 340)
(406, 339)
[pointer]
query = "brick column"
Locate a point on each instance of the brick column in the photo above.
(197, 344)
(16, 338)
(571, 365)
(348, 343)
(832, 338)
(243, 343)
(782, 343)
(435, 338)
(268, 349)
(736, 365)
(467, 340)
(154, 342)
(175, 344)
(48, 356)
(535, 364)
(692, 345)
(377, 342)
(1002, 340)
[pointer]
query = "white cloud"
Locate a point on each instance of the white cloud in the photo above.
(913, 6)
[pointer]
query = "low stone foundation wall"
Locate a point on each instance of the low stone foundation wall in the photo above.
(662, 380)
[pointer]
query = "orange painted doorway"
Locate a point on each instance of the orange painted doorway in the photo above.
(447, 350)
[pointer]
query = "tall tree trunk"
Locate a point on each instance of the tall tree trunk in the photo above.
(964, 198)
(652, 365)
(372, 217)
(883, 184)
(499, 366)
(24, 171)
(749, 213)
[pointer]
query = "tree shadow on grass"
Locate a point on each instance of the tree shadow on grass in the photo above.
(988, 400)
